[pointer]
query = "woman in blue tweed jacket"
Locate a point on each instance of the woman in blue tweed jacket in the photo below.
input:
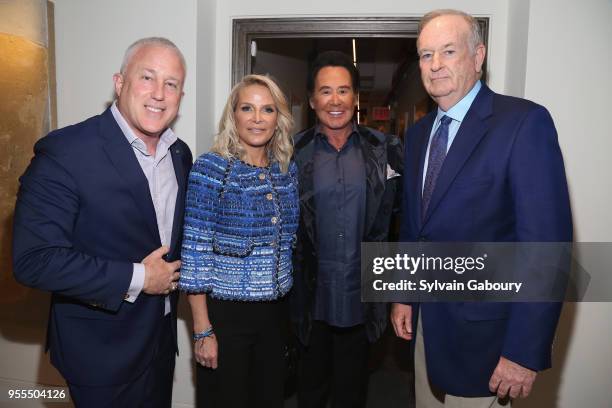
(241, 217)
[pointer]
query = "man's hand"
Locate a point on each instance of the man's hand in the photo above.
(401, 318)
(160, 276)
(511, 379)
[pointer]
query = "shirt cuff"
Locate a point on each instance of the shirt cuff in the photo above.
(136, 284)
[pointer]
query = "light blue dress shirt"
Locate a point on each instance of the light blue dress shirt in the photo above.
(163, 187)
(456, 113)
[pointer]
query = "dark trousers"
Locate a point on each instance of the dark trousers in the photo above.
(334, 364)
(251, 365)
(153, 388)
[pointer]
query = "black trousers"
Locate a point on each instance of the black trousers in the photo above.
(333, 365)
(153, 388)
(251, 366)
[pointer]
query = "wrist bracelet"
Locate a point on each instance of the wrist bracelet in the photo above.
(204, 333)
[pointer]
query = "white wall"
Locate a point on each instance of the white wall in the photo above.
(91, 37)
(518, 31)
(568, 63)
(206, 122)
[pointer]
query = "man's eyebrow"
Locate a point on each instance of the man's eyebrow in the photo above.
(153, 71)
(450, 44)
(329, 87)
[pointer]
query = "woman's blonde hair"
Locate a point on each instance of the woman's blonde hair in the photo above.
(279, 148)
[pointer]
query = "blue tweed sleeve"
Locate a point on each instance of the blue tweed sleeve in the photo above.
(204, 186)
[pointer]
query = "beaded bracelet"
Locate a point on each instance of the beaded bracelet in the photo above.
(204, 333)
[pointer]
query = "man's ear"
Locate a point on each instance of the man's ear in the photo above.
(311, 103)
(479, 57)
(118, 80)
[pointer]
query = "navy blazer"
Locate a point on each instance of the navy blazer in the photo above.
(503, 180)
(84, 215)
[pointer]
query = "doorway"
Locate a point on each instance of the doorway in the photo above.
(391, 97)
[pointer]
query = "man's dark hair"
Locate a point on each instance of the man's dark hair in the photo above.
(332, 59)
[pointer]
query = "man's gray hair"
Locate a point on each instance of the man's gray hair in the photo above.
(475, 37)
(157, 41)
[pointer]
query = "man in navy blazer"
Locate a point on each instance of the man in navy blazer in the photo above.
(483, 167)
(98, 223)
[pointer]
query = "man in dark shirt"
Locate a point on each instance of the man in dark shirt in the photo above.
(349, 187)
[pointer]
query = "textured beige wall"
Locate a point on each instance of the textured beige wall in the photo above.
(26, 19)
(23, 112)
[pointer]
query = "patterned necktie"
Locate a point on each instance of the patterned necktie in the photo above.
(437, 154)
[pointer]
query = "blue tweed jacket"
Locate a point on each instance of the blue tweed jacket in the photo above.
(240, 226)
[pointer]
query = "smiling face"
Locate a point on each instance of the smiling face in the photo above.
(149, 91)
(256, 118)
(449, 67)
(333, 99)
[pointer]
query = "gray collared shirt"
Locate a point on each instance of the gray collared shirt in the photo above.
(340, 201)
(163, 187)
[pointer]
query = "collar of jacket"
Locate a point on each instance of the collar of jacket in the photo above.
(473, 128)
(374, 150)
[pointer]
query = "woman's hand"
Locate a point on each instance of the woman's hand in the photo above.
(206, 351)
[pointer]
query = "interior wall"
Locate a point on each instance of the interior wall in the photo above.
(206, 122)
(25, 18)
(568, 60)
(91, 37)
(25, 113)
(518, 31)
